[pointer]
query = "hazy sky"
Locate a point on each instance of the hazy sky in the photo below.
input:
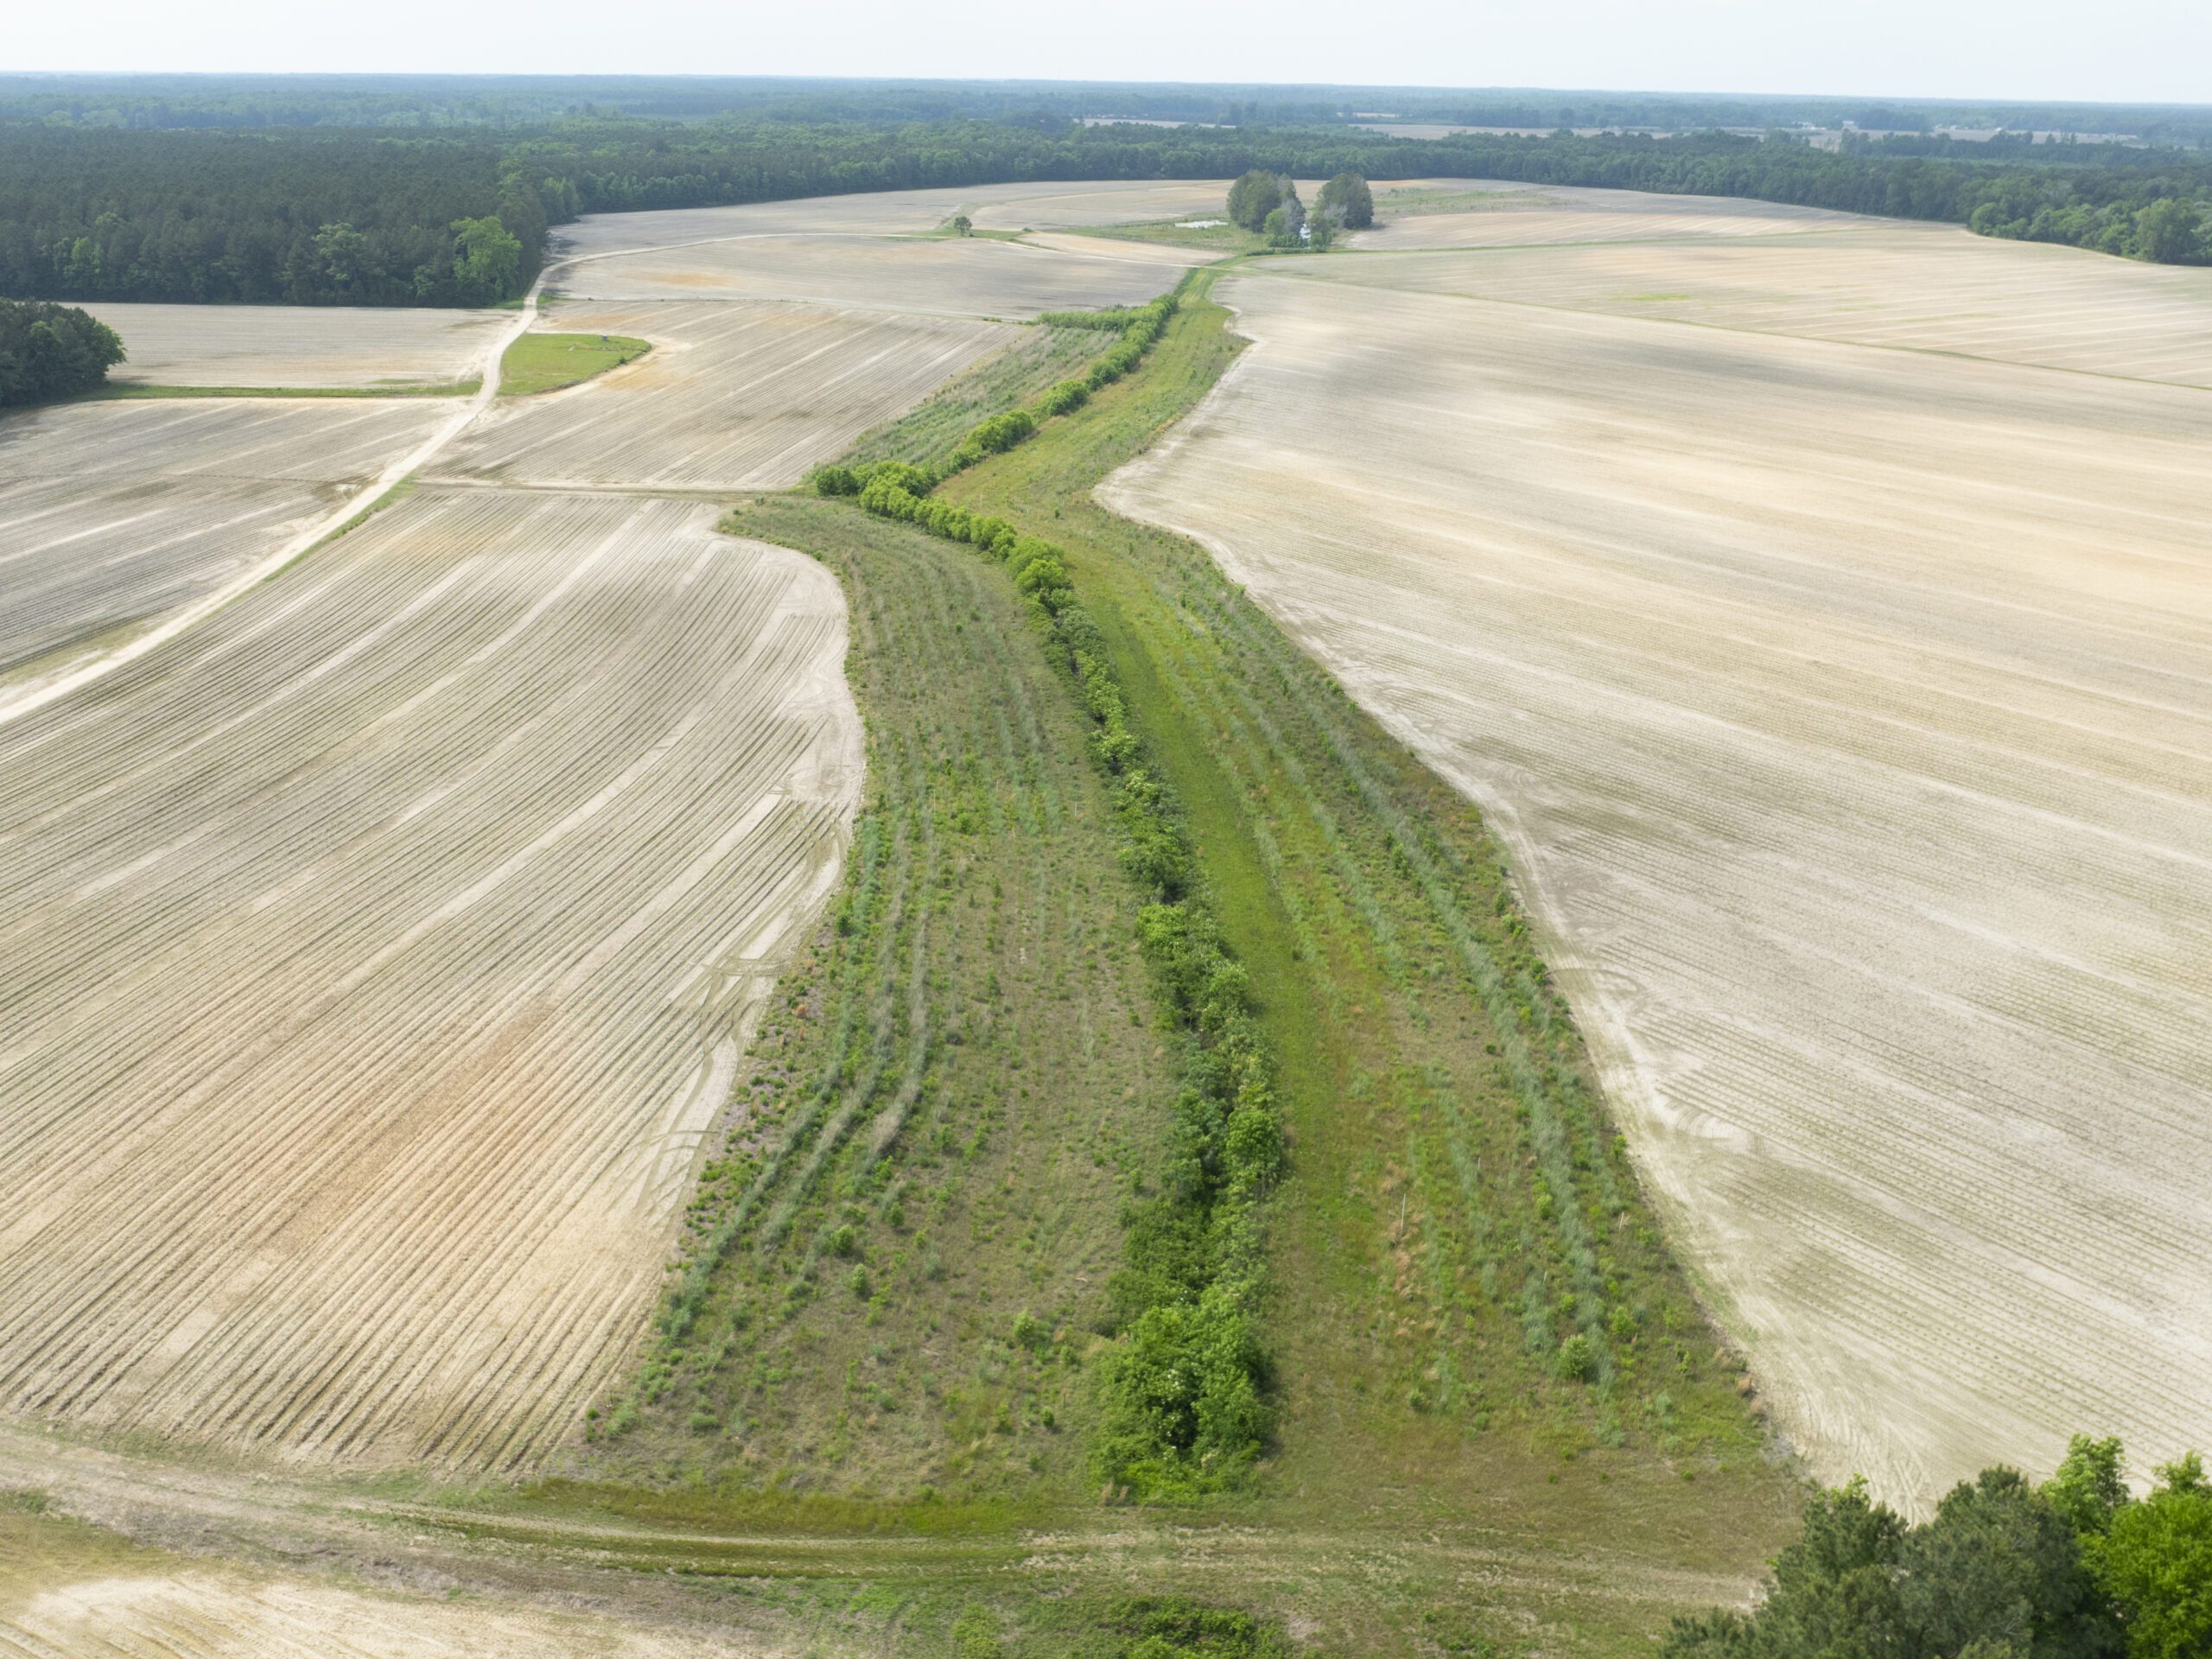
(2105, 50)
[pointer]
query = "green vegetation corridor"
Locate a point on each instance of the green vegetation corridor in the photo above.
(1497, 1404)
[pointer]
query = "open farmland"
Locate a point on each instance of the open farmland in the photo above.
(115, 515)
(759, 390)
(1061, 205)
(960, 276)
(295, 346)
(376, 955)
(1845, 710)
(447, 871)
(1925, 288)
(1482, 213)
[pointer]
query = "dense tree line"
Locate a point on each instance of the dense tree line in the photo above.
(48, 352)
(295, 217)
(338, 216)
(2076, 1568)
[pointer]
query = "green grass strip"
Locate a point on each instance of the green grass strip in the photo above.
(1184, 1394)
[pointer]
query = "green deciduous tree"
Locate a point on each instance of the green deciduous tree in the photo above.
(2154, 1559)
(486, 261)
(2090, 1487)
(1999, 1572)
(1252, 198)
(2172, 233)
(1347, 200)
(52, 351)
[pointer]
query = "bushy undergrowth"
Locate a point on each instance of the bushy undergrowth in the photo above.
(1185, 1393)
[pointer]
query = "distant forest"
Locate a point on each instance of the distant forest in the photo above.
(456, 212)
(177, 101)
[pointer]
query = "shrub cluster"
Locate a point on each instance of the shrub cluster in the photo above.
(1185, 1390)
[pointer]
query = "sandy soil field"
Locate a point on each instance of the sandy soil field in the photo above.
(80, 1602)
(112, 515)
(992, 207)
(1929, 287)
(374, 957)
(1544, 215)
(297, 345)
(953, 277)
(1108, 247)
(734, 395)
(1847, 711)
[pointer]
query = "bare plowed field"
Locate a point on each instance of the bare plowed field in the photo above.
(1504, 214)
(1847, 711)
(735, 395)
(993, 207)
(374, 957)
(297, 345)
(1107, 247)
(1929, 287)
(954, 277)
(112, 515)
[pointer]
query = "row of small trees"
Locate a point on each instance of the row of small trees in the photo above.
(2076, 1568)
(50, 351)
(1269, 204)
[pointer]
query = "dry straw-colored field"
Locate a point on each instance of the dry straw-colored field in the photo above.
(991, 206)
(1847, 711)
(297, 345)
(959, 277)
(114, 515)
(1928, 288)
(1490, 214)
(372, 958)
(735, 394)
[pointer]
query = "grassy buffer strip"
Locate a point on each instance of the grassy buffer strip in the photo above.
(1139, 329)
(1185, 1392)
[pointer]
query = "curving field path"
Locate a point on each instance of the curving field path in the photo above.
(113, 516)
(1849, 709)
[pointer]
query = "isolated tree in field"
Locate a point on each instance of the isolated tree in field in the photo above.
(1347, 200)
(487, 261)
(1253, 197)
(961, 226)
(50, 351)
